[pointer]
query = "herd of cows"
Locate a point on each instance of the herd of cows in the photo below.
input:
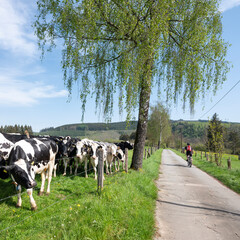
(23, 156)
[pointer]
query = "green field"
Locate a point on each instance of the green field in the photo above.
(74, 209)
(229, 177)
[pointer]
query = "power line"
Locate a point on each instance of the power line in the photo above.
(220, 99)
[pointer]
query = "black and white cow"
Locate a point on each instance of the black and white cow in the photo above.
(7, 141)
(62, 151)
(87, 151)
(27, 158)
(120, 158)
(71, 146)
(111, 155)
(124, 145)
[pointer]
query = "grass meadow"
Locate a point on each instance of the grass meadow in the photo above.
(74, 209)
(229, 177)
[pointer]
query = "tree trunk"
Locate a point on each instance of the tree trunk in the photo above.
(141, 132)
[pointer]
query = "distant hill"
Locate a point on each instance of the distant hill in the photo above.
(195, 131)
(191, 131)
(96, 131)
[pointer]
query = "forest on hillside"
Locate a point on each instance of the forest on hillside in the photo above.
(194, 132)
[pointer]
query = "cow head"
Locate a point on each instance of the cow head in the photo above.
(120, 155)
(62, 146)
(71, 148)
(22, 173)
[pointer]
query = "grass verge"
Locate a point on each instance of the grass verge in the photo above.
(74, 209)
(229, 177)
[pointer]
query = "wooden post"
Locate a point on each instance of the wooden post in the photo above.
(149, 152)
(216, 158)
(229, 163)
(145, 153)
(205, 154)
(207, 157)
(126, 160)
(100, 170)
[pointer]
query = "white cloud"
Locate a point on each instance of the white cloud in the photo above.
(17, 93)
(16, 34)
(228, 4)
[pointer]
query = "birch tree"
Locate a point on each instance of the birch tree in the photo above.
(159, 128)
(127, 47)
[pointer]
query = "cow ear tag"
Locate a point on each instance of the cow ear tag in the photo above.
(5, 171)
(32, 162)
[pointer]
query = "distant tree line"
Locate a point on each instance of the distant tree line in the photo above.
(16, 129)
(131, 125)
(200, 135)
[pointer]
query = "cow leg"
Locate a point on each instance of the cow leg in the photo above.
(95, 172)
(32, 201)
(110, 166)
(55, 170)
(71, 163)
(65, 162)
(76, 165)
(94, 164)
(118, 165)
(107, 172)
(43, 177)
(19, 201)
(85, 167)
(50, 170)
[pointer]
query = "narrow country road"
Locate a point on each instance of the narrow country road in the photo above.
(192, 205)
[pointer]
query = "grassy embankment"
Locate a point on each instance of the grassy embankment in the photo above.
(74, 209)
(229, 177)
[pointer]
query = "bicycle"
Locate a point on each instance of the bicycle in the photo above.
(189, 160)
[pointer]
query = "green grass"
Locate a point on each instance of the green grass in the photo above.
(229, 177)
(74, 209)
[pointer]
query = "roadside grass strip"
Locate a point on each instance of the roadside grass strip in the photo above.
(228, 177)
(74, 209)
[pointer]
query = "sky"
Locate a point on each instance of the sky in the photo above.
(32, 91)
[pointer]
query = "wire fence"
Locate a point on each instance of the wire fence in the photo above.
(39, 211)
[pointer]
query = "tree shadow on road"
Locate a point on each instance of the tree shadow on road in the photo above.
(174, 165)
(204, 208)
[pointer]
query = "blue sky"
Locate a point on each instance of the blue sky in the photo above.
(32, 91)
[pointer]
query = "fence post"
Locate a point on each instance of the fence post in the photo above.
(126, 160)
(149, 152)
(229, 163)
(207, 157)
(216, 158)
(145, 153)
(100, 170)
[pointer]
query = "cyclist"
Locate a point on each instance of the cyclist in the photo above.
(188, 149)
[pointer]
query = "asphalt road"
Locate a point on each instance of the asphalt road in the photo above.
(192, 205)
